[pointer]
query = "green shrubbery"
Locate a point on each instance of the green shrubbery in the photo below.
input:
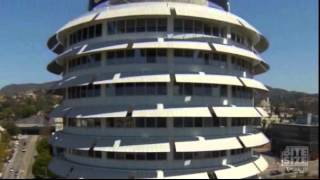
(23, 107)
(40, 166)
(11, 128)
(4, 146)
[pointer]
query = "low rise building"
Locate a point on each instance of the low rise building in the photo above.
(58, 124)
(293, 134)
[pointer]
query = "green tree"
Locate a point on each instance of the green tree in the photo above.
(40, 166)
(11, 128)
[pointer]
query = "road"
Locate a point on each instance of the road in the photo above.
(20, 166)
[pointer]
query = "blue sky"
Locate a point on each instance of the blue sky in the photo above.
(290, 25)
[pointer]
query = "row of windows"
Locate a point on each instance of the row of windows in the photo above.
(154, 25)
(242, 92)
(137, 123)
(240, 64)
(245, 122)
(136, 89)
(85, 62)
(86, 33)
(238, 38)
(83, 123)
(156, 156)
(187, 89)
(199, 155)
(210, 57)
(159, 89)
(84, 91)
(198, 27)
(120, 156)
(127, 56)
(152, 56)
(91, 154)
(137, 156)
(137, 25)
(198, 122)
(239, 151)
(158, 122)
(117, 123)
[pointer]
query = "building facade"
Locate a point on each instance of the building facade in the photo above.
(292, 134)
(158, 89)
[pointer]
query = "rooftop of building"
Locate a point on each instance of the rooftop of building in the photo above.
(217, 4)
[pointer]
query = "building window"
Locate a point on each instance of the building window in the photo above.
(85, 33)
(188, 26)
(121, 26)
(223, 91)
(137, 25)
(112, 27)
(198, 122)
(198, 27)
(162, 25)
(238, 38)
(137, 156)
(151, 25)
(198, 155)
(146, 89)
(84, 62)
(130, 28)
(183, 53)
(84, 91)
(242, 92)
(178, 25)
(141, 25)
(136, 123)
(184, 89)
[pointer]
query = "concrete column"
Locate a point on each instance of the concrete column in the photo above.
(228, 28)
(103, 91)
(104, 155)
(171, 139)
(229, 64)
(104, 29)
(103, 59)
(171, 71)
(66, 93)
(103, 123)
(229, 95)
(170, 25)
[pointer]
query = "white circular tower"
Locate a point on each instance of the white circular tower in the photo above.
(158, 89)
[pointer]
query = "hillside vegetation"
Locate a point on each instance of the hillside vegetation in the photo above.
(25, 105)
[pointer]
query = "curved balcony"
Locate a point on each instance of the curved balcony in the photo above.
(161, 9)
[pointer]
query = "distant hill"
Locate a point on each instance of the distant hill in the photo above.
(299, 100)
(16, 89)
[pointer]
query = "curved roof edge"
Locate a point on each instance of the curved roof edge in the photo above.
(262, 45)
(54, 44)
(55, 68)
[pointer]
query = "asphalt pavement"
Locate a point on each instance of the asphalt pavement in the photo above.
(20, 165)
